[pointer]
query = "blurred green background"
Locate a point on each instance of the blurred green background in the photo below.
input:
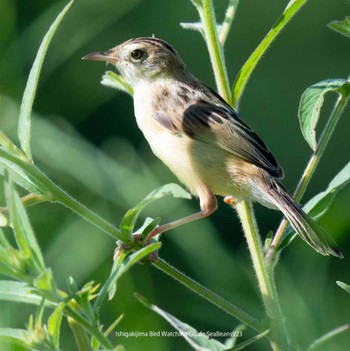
(85, 137)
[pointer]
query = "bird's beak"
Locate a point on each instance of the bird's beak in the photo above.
(100, 56)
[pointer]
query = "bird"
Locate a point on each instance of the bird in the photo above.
(202, 140)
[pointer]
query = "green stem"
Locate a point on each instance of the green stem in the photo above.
(80, 336)
(279, 339)
(92, 329)
(209, 295)
(55, 193)
(227, 23)
(247, 69)
(206, 14)
(309, 171)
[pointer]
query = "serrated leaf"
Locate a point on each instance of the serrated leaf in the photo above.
(199, 341)
(127, 223)
(323, 339)
(21, 226)
(127, 263)
(344, 286)
(342, 26)
(113, 80)
(310, 106)
(24, 125)
(19, 292)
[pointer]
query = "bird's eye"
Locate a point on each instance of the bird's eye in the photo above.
(137, 54)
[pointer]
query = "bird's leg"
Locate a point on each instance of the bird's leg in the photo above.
(208, 204)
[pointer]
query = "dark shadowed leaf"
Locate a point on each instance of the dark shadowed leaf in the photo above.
(342, 27)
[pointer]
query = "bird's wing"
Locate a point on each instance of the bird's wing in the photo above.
(211, 120)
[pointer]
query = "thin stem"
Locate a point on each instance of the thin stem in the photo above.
(209, 295)
(206, 13)
(92, 329)
(80, 336)
(309, 170)
(247, 69)
(279, 339)
(226, 25)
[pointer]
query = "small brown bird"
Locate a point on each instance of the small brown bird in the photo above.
(202, 139)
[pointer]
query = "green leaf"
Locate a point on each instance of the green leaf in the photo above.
(342, 27)
(19, 176)
(21, 226)
(250, 341)
(320, 203)
(199, 341)
(24, 124)
(14, 336)
(19, 292)
(113, 80)
(124, 267)
(46, 285)
(311, 103)
(54, 324)
(323, 339)
(127, 223)
(344, 286)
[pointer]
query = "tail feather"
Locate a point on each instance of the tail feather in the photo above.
(304, 225)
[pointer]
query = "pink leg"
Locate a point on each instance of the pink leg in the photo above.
(208, 205)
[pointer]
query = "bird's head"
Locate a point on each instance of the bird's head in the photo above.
(143, 59)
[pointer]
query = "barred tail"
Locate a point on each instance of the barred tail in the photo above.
(304, 225)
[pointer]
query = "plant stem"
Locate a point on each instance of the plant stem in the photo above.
(226, 25)
(279, 339)
(206, 14)
(80, 336)
(92, 329)
(209, 295)
(55, 193)
(309, 170)
(247, 69)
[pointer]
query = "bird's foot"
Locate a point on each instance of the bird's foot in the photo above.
(230, 200)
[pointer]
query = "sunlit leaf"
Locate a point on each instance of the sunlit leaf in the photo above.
(127, 223)
(14, 336)
(311, 103)
(24, 125)
(124, 267)
(344, 286)
(46, 284)
(19, 292)
(342, 27)
(21, 226)
(323, 339)
(113, 80)
(54, 324)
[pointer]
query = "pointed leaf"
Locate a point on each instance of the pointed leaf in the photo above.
(128, 221)
(323, 339)
(113, 80)
(342, 27)
(19, 292)
(54, 324)
(320, 203)
(199, 341)
(124, 266)
(21, 226)
(344, 286)
(311, 103)
(24, 125)
(250, 341)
